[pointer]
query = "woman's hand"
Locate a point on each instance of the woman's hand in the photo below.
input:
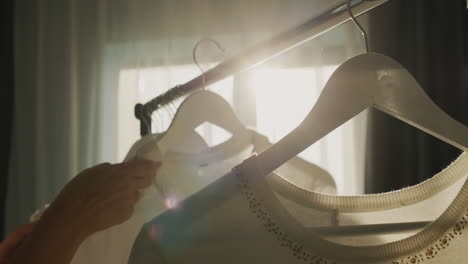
(104, 195)
(13, 241)
(96, 199)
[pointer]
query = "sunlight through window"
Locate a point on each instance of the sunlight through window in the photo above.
(283, 97)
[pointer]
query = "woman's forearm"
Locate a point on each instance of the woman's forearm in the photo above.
(94, 200)
(54, 240)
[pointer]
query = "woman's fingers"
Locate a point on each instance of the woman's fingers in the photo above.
(141, 183)
(138, 168)
(140, 174)
(137, 196)
(106, 194)
(15, 239)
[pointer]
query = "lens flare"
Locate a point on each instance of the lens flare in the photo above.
(153, 232)
(171, 203)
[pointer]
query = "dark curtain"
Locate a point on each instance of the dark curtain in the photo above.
(6, 101)
(429, 38)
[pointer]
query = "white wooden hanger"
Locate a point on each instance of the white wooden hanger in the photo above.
(367, 80)
(197, 109)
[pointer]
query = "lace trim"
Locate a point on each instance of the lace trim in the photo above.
(444, 242)
(302, 254)
(260, 211)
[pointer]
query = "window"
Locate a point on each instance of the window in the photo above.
(283, 97)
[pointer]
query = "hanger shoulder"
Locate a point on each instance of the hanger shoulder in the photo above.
(206, 106)
(347, 93)
(367, 80)
(197, 109)
(400, 95)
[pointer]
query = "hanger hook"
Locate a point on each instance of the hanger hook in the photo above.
(194, 55)
(363, 32)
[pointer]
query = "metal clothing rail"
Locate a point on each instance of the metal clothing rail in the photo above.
(256, 55)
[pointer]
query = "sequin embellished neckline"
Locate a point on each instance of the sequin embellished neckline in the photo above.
(416, 248)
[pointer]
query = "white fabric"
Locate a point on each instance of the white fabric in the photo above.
(180, 175)
(113, 245)
(267, 220)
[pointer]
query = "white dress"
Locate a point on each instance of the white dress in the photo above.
(180, 176)
(248, 218)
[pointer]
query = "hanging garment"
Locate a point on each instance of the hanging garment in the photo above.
(182, 175)
(246, 218)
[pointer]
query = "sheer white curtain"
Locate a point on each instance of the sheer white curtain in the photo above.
(64, 114)
(81, 65)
